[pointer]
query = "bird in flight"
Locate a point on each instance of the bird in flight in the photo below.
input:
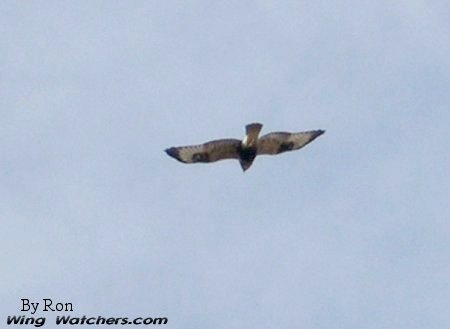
(246, 150)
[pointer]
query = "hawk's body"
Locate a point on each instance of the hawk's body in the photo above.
(246, 150)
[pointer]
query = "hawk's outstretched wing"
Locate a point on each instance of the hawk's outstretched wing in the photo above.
(279, 142)
(209, 152)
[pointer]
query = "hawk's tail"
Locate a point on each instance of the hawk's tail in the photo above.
(252, 130)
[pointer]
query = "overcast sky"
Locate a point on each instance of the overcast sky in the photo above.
(353, 231)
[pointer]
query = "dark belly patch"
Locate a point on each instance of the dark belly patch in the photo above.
(247, 154)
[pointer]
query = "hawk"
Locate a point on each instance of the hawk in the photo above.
(246, 150)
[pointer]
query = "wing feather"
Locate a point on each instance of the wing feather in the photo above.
(209, 152)
(279, 142)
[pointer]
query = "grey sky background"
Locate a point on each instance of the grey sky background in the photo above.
(351, 232)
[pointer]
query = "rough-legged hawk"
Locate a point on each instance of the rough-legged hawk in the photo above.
(247, 149)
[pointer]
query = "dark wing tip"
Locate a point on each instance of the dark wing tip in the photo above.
(171, 151)
(320, 132)
(313, 134)
(317, 133)
(174, 153)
